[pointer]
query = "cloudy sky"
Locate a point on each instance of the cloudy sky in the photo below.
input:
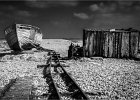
(67, 18)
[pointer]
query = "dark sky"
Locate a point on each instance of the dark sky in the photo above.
(66, 19)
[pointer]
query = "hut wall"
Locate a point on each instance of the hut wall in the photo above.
(134, 41)
(101, 43)
(125, 45)
(139, 43)
(105, 45)
(94, 43)
(119, 45)
(86, 42)
(111, 44)
(90, 44)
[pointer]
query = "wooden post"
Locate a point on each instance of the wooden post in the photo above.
(120, 44)
(134, 44)
(125, 45)
(117, 44)
(97, 43)
(114, 44)
(106, 44)
(110, 44)
(91, 44)
(139, 41)
(94, 42)
(88, 43)
(84, 42)
(102, 42)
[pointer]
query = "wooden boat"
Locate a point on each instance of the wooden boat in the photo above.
(23, 37)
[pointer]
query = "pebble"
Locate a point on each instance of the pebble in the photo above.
(106, 76)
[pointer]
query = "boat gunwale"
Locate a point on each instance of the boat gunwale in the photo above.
(27, 25)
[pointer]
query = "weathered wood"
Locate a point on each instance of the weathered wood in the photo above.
(125, 45)
(84, 41)
(119, 44)
(106, 44)
(88, 43)
(101, 43)
(115, 44)
(97, 43)
(110, 45)
(139, 41)
(91, 44)
(134, 44)
(23, 37)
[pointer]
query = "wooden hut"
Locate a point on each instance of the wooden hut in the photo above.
(116, 43)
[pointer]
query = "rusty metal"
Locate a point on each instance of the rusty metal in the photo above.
(72, 86)
(53, 92)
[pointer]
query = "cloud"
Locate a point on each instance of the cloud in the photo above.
(24, 13)
(107, 21)
(68, 3)
(94, 7)
(81, 15)
(50, 3)
(119, 6)
(102, 7)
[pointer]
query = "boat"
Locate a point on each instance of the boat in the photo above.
(23, 36)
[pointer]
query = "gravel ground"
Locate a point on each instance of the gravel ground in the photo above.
(107, 79)
(13, 66)
(23, 65)
(59, 45)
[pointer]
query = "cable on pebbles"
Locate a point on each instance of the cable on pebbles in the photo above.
(61, 86)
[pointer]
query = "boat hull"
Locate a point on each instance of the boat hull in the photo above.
(23, 37)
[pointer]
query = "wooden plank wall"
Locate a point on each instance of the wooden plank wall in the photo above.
(105, 45)
(114, 44)
(134, 42)
(139, 43)
(125, 45)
